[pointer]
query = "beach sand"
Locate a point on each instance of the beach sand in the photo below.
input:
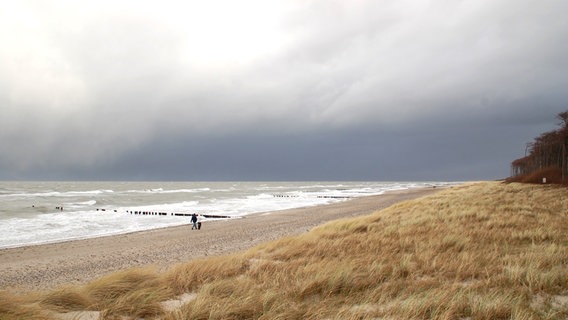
(45, 267)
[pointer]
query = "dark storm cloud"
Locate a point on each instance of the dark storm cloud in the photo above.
(290, 90)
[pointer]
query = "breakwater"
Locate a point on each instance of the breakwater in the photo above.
(160, 213)
(317, 196)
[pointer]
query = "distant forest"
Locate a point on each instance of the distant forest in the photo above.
(546, 158)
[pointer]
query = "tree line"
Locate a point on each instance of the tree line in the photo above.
(546, 158)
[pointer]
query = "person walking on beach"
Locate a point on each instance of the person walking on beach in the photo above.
(194, 221)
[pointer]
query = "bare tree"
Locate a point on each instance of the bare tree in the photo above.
(549, 150)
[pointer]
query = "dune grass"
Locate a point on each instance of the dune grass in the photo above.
(478, 251)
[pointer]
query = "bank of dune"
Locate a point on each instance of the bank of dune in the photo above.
(485, 250)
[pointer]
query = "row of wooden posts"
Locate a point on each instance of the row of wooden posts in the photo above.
(178, 214)
(321, 197)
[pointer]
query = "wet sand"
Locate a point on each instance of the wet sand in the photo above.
(44, 267)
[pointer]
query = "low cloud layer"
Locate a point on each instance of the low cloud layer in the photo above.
(293, 90)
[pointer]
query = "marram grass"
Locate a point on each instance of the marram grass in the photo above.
(478, 251)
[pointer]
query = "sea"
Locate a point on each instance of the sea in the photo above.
(34, 213)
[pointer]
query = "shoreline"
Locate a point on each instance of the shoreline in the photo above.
(76, 262)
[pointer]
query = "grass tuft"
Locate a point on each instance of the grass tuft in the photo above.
(189, 276)
(67, 299)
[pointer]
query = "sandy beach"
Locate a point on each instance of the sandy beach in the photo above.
(45, 267)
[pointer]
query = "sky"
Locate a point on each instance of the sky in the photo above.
(384, 90)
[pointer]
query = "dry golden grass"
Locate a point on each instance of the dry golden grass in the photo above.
(479, 251)
(16, 307)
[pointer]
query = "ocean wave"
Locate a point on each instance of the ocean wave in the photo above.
(162, 191)
(56, 194)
